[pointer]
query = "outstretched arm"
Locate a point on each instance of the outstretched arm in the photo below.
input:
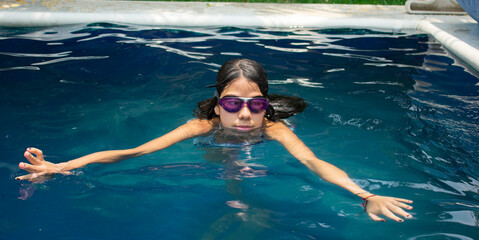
(376, 205)
(39, 167)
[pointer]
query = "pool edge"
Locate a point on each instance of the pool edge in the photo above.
(466, 52)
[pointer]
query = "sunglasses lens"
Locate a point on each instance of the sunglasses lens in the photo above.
(231, 104)
(257, 105)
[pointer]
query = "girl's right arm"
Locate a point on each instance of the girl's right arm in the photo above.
(39, 167)
(375, 205)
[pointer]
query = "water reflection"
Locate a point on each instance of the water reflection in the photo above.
(234, 150)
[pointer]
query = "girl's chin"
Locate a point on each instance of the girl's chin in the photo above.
(242, 129)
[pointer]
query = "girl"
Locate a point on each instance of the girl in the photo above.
(241, 108)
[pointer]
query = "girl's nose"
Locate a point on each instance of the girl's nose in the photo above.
(244, 112)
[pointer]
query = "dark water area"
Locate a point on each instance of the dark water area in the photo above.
(395, 111)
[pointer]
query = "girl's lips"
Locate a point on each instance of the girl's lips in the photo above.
(243, 128)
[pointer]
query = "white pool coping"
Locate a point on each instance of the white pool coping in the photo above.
(459, 34)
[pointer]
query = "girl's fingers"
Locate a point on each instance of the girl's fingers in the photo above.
(386, 212)
(39, 169)
(34, 177)
(24, 177)
(389, 207)
(30, 168)
(375, 217)
(399, 211)
(38, 153)
(402, 205)
(403, 200)
(29, 176)
(32, 159)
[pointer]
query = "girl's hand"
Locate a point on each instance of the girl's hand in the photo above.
(387, 206)
(39, 169)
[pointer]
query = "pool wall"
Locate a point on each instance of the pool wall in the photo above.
(459, 34)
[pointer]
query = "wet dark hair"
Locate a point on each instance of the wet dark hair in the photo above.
(280, 106)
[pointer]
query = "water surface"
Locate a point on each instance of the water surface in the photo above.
(394, 110)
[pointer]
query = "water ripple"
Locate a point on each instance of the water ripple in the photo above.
(305, 82)
(357, 56)
(379, 83)
(369, 124)
(115, 35)
(291, 50)
(69, 59)
(189, 54)
(20, 68)
(39, 55)
(440, 236)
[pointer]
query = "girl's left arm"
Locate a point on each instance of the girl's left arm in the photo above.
(39, 168)
(376, 205)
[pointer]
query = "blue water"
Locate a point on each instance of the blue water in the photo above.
(394, 110)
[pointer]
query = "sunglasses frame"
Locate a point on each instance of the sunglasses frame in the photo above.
(244, 101)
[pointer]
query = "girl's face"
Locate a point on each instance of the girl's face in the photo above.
(244, 120)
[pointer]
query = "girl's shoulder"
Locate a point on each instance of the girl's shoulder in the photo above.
(275, 130)
(281, 124)
(203, 126)
(206, 122)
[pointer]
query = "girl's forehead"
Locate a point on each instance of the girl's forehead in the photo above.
(242, 87)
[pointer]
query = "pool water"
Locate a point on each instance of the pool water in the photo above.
(394, 110)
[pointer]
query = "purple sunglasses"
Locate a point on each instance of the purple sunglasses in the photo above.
(234, 104)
